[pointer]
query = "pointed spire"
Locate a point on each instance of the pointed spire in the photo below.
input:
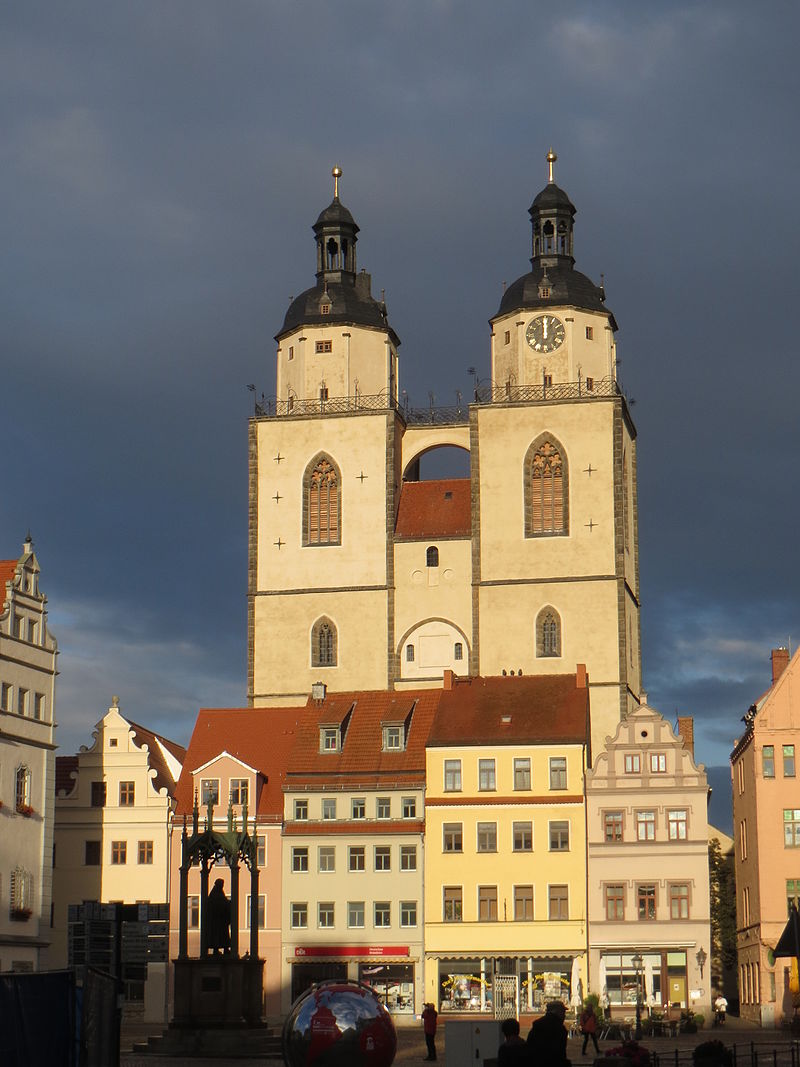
(336, 174)
(551, 158)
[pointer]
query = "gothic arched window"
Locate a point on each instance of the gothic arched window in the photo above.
(548, 633)
(546, 489)
(23, 788)
(323, 643)
(322, 514)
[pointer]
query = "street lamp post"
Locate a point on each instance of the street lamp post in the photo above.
(637, 964)
(701, 958)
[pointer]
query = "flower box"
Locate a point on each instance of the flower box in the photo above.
(21, 915)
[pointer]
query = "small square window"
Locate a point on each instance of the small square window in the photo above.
(325, 915)
(326, 859)
(356, 858)
(452, 837)
(329, 739)
(300, 860)
(299, 915)
(119, 852)
(146, 852)
(383, 858)
(301, 810)
(658, 763)
(393, 738)
(323, 346)
(328, 808)
(409, 807)
(355, 914)
(209, 791)
(112, 742)
(590, 333)
(127, 793)
(633, 763)
(547, 380)
(240, 791)
(522, 774)
(383, 808)
(359, 808)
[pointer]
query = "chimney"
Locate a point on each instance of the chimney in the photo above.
(780, 661)
(318, 691)
(686, 731)
(580, 676)
(449, 679)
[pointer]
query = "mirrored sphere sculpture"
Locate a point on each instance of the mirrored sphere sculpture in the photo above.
(339, 1024)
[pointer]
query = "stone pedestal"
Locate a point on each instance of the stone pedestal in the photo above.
(218, 991)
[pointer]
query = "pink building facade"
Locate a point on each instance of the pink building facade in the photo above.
(766, 825)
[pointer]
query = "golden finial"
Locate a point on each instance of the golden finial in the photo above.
(551, 158)
(336, 174)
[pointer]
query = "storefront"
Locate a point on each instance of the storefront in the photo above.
(524, 983)
(662, 975)
(386, 968)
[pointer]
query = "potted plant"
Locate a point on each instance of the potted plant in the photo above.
(688, 1025)
(699, 1020)
(21, 915)
(712, 1054)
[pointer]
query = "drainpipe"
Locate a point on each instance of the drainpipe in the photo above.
(586, 862)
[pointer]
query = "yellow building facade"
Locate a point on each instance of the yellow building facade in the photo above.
(362, 576)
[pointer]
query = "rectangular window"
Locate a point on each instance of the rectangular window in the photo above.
(788, 761)
(559, 837)
(633, 763)
(408, 857)
(645, 826)
(18, 623)
(39, 708)
(291, 351)
(792, 894)
(658, 763)
(590, 333)
(679, 901)
(301, 810)
(383, 858)
(326, 859)
(452, 903)
(5, 696)
(646, 902)
(383, 914)
(612, 825)
(299, 914)
(409, 653)
(791, 827)
(547, 379)
(325, 915)
(356, 858)
(383, 808)
(393, 738)
(240, 791)
(329, 739)
(261, 850)
(409, 807)
(91, 853)
(558, 772)
(523, 903)
(589, 383)
(300, 860)
(262, 912)
(193, 909)
(452, 776)
(98, 794)
(523, 837)
(746, 905)
(355, 914)
(458, 650)
(328, 808)
(677, 823)
(119, 852)
(127, 793)
(486, 775)
(452, 839)
(323, 346)
(209, 791)
(408, 913)
(615, 902)
(558, 902)
(768, 761)
(358, 809)
(146, 852)
(22, 701)
(487, 837)
(522, 774)
(507, 337)
(487, 903)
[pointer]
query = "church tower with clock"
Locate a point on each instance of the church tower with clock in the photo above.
(362, 576)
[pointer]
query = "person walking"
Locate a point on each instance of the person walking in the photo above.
(547, 1040)
(429, 1015)
(589, 1028)
(513, 1052)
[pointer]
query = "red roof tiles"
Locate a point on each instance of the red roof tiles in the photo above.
(7, 568)
(430, 509)
(539, 708)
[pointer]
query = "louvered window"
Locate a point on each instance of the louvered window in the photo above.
(321, 497)
(545, 490)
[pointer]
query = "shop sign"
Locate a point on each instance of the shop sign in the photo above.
(352, 950)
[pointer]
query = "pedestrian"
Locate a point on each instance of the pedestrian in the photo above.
(720, 1010)
(547, 1040)
(429, 1015)
(513, 1052)
(589, 1028)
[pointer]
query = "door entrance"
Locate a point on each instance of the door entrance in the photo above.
(506, 991)
(304, 975)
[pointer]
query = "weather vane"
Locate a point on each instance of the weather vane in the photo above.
(551, 158)
(336, 173)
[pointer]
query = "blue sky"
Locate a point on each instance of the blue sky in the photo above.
(160, 168)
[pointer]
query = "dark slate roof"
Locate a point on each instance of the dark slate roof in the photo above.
(552, 196)
(65, 766)
(351, 305)
(335, 212)
(567, 286)
(163, 778)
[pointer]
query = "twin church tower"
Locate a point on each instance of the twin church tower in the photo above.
(362, 576)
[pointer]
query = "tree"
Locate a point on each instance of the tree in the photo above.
(722, 888)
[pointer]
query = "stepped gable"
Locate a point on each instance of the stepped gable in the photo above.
(430, 509)
(260, 737)
(361, 716)
(540, 708)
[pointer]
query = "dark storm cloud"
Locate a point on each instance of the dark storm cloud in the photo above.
(160, 168)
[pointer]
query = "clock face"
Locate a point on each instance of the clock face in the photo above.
(545, 333)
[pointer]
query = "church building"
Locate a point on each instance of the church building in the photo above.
(363, 576)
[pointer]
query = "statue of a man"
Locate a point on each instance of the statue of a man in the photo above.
(219, 919)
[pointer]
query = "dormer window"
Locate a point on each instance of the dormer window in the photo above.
(393, 739)
(324, 309)
(240, 790)
(209, 791)
(329, 739)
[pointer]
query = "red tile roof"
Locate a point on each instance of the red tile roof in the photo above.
(361, 756)
(541, 708)
(155, 757)
(7, 568)
(65, 765)
(432, 509)
(259, 737)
